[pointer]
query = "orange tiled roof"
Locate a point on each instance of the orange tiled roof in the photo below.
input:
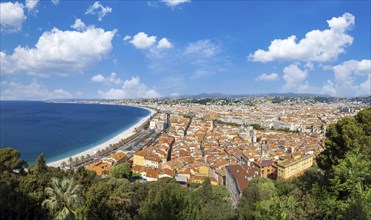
(241, 173)
(118, 155)
(152, 173)
(167, 171)
(152, 157)
(141, 153)
(138, 169)
(100, 167)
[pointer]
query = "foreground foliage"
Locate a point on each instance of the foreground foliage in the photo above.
(339, 188)
(64, 198)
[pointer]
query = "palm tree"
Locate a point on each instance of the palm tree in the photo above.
(64, 198)
(70, 160)
(76, 161)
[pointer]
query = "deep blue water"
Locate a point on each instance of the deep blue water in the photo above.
(59, 129)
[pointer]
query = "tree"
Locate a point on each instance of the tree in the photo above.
(70, 161)
(76, 161)
(347, 134)
(206, 190)
(40, 164)
(64, 198)
(9, 160)
(260, 189)
(207, 202)
(165, 200)
(351, 172)
(272, 208)
(108, 199)
(122, 170)
(360, 205)
(84, 177)
(342, 187)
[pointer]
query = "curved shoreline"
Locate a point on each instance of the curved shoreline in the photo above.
(91, 151)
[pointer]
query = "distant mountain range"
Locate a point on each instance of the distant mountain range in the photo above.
(366, 99)
(221, 95)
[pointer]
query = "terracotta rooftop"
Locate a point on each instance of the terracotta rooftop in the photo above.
(100, 167)
(138, 169)
(152, 173)
(152, 157)
(264, 163)
(241, 173)
(118, 156)
(167, 171)
(292, 159)
(141, 153)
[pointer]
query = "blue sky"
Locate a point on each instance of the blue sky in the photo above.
(142, 49)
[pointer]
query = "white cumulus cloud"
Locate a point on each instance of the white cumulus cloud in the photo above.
(99, 10)
(164, 43)
(79, 25)
(132, 88)
(55, 2)
(267, 77)
(59, 52)
(295, 79)
(141, 40)
(98, 78)
(173, 3)
(126, 38)
(111, 79)
(32, 91)
(31, 4)
(346, 76)
(317, 45)
(12, 16)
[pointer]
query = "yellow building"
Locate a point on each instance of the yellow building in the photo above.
(204, 170)
(293, 165)
(138, 158)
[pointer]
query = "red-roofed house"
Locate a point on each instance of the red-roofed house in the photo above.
(166, 172)
(151, 174)
(237, 177)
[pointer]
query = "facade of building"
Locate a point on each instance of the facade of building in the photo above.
(138, 158)
(152, 160)
(293, 165)
(267, 168)
(204, 170)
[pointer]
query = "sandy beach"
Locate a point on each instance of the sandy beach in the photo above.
(116, 139)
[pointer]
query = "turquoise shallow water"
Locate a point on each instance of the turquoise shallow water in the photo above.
(59, 129)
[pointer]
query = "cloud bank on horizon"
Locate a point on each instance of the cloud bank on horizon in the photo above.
(98, 51)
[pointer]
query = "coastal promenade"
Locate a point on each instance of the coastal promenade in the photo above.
(94, 150)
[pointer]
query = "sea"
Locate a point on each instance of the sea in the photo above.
(61, 130)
